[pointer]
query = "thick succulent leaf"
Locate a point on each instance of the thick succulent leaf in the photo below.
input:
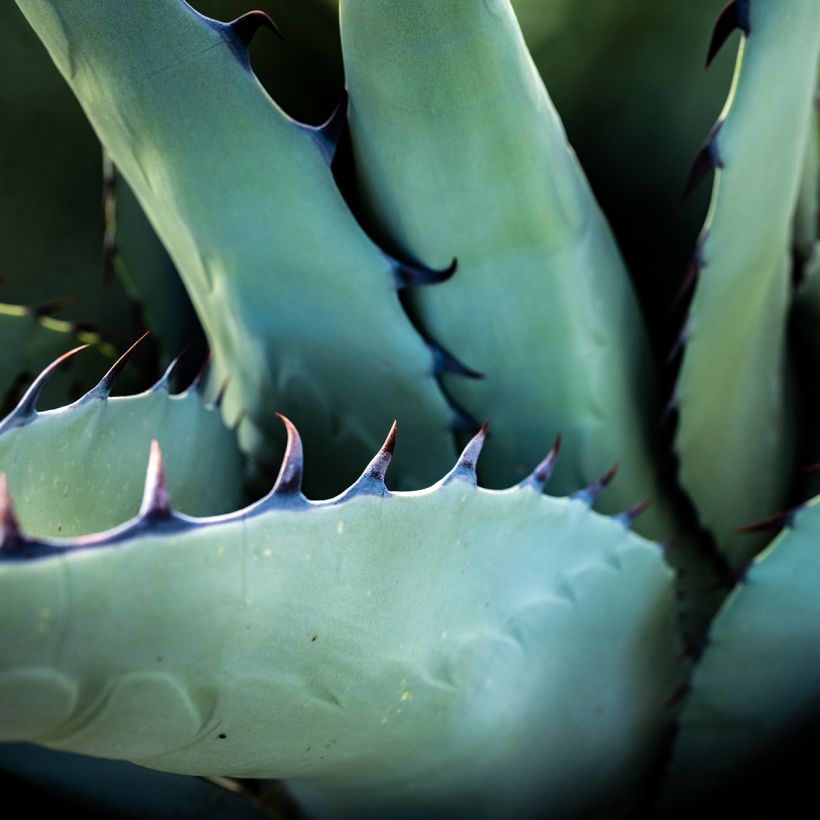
(299, 307)
(757, 683)
(735, 436)
(79, 469)
(629, 82)
(391, 655)
(28, 339)
(460, 151)
(118, 790)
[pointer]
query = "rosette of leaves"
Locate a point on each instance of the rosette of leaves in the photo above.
(189, 584)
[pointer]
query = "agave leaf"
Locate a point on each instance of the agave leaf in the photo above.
(299, 306)
(387, 653)
(447, 111)
(28, 337)
(79, 469)
(735, 436)
(756, 685)
(629, 82)
(458, 147)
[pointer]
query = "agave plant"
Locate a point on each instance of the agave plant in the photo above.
(430, 256)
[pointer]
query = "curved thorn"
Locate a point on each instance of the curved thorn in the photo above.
(771, 522)
(329, 133)
(591, 492)
(164, 381)
(705, 160)
(376, 471)
(245, 27)
(404, 274)
(465, 467)
(445, 362)
(239, 33)
(629, 515)
(734, 15)
(289, 480)
(103, 388)
(371, 481)
(11, 537)
(26, 408)
(539, 477)
(156, 501)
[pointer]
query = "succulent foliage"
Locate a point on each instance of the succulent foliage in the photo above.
(189, 584)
